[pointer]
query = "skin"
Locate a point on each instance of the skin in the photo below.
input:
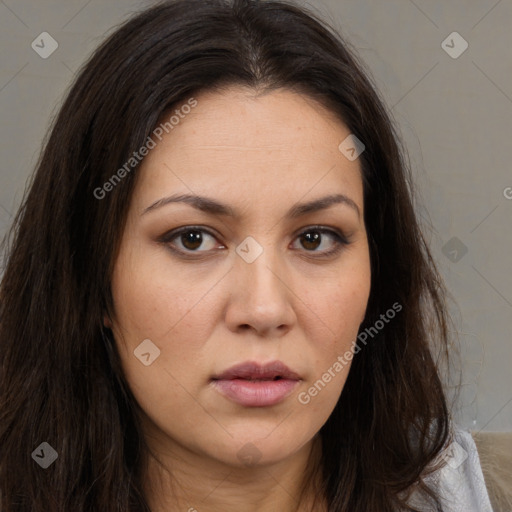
(261, 154)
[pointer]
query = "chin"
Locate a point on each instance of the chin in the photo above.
(258, 449)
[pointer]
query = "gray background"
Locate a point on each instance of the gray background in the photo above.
(454, 114)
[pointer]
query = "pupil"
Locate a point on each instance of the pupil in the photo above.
(311, 239)
(191, 239)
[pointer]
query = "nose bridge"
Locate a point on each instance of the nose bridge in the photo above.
(263, 297)
(259, 261)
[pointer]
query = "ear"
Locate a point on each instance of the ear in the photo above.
(106, 321)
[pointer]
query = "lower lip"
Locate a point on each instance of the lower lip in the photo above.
(262, 393)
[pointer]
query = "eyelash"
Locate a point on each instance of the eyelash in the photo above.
(340, 240)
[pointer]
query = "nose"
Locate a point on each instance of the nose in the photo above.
(262, 296)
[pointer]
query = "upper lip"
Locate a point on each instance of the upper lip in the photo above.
(254, 370)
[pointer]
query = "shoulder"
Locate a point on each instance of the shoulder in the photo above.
(459, 482)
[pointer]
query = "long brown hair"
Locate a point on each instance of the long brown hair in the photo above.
(60, 376)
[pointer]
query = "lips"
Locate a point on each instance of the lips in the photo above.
(254, 371)
(254, 385)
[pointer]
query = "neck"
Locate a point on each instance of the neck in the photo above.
(183, 480)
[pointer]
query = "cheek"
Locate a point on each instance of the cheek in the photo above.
(155, 301)
(154, 304)
(340, 303)
(152, 299)
(341, 306)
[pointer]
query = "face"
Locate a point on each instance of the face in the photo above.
(261, 286)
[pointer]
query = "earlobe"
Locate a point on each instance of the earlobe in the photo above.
(107, 322)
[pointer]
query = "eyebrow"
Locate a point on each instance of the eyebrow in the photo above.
(214, 207)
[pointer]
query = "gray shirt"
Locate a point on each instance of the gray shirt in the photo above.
(460, 482)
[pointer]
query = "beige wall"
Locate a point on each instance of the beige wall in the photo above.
(455, 115)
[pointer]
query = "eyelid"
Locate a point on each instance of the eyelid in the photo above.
(323, 228)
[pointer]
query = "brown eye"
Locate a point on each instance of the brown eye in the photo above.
(196, 241)
(310, 240)
(313, 238)
(191, 239)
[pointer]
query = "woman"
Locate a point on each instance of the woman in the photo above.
(217, 295)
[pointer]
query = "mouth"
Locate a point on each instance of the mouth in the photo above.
(254, 385)
(275, 370)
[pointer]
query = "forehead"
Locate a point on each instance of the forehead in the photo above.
(240, 143)
(238, 116)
